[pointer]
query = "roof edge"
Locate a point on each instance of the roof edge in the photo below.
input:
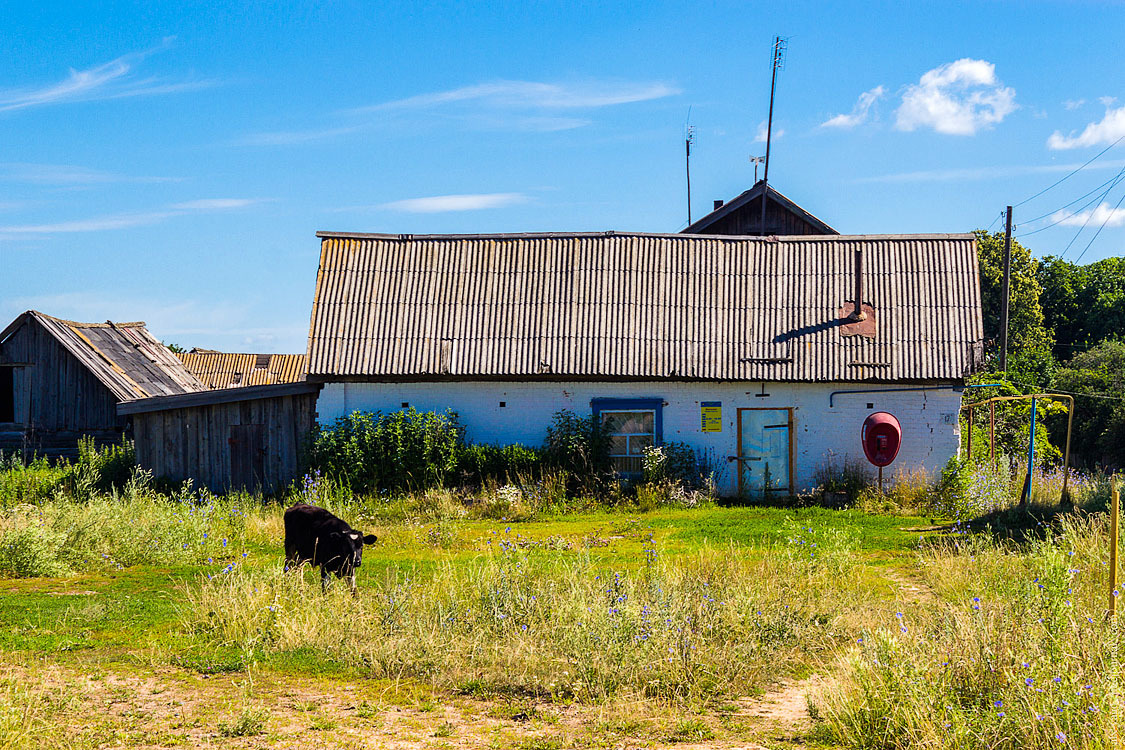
(215, 396)
(675, 235)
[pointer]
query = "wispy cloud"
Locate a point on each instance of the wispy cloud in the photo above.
(537, 95)
(983, 173)
(1107, 130)
(127, 220)
(528, 106)
(446, 203)
(115, 79)
(761, 134)
(65, 174)
(1073, 104)
(1112, 217)
(957, 98)
(859, 112)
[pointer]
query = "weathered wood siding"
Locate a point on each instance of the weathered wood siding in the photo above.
(747, 220)
(56, 399)
(196, 442)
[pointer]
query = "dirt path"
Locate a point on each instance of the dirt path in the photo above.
(169, 707)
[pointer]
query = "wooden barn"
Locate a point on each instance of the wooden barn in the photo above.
(743, 216)
(61, 380)
(225, 439)
(228, 370)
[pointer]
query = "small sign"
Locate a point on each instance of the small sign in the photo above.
(711, 413)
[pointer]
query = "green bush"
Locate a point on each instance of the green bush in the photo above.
(579, 446)
(478, 464)
(29, 547)
(403, 450)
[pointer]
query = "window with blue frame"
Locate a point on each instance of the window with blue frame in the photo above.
(632, 425)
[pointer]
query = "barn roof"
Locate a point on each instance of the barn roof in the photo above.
(643, 306)
(708, 224)
(125, 357)
(228, 370)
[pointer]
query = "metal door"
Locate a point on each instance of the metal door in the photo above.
(764, 451)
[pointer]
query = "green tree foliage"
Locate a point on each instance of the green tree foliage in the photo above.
(1082, 304)
(1099, 423)
(1029, 340)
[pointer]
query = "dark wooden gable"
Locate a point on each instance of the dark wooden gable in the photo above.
(743, 216)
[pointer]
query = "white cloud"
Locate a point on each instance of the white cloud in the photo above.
(125, 220)
(1108, 130)
(984, 173)
(65, 174)
(958, 98)
(760, 134)
(215, 204)
(1103, 213)
(537, 95)
(859, 112)
(293, 137)
(115, 79)
(1073, 104)
(444, 203)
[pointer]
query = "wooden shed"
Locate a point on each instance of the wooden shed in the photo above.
(228, 370)
(61, 380)
(228, 439)
(743, 216)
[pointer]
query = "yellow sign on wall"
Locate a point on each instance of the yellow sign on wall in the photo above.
(711, 414)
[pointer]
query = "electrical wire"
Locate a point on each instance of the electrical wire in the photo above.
(1087, 221)
(990, 226)
(1068, 205)
(1108, 216)
(1115, 179)
(1067, 177)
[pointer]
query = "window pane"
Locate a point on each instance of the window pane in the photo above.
(618, 445)
(628, 464)
(638, 443)
(628, 422)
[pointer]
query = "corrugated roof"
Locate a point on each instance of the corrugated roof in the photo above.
(610, 305)
(123, 356)
(227, 370)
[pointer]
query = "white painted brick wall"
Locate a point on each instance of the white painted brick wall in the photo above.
(928, 418)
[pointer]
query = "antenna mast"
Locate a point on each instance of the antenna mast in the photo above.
(687, 156)
(779, 46)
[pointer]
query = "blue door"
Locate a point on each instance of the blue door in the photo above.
(763, 452)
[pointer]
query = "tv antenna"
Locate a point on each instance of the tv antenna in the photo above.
(779, 47)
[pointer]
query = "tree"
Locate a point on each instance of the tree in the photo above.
(1099, 418)
(1029, 341)
(1082, 304)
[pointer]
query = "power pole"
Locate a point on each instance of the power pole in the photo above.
(687, 161)
(1006, 292)
(778, 62)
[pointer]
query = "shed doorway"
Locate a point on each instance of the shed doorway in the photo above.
(765, 452)
(247, 456)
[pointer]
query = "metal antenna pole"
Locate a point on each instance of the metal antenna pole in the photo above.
(687, 162)
(778, 61)
(1005, 292)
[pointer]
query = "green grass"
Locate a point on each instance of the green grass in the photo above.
(678, 611)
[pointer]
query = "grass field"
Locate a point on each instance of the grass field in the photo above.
(135, 620)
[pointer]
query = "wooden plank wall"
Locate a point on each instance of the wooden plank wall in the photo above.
(747, 219)
(192, 443)
(57, 400)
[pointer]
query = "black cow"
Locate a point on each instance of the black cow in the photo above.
(316, 536)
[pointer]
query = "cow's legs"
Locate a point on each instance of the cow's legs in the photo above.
(351, 580)
(292, 557)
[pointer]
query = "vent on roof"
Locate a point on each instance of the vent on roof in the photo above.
(261, 361)
(718, 205)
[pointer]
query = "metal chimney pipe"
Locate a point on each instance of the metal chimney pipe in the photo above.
(858, 313)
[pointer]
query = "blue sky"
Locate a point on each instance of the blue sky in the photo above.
(171, 163)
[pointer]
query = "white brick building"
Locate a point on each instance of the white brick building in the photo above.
(741, 347)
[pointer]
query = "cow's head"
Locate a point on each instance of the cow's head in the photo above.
(347, 549)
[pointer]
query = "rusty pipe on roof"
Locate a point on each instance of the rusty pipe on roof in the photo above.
(858, 313)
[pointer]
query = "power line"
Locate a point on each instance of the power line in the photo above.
(1068, 205)
(1067, 177)
(1115, 179)
(1090, 216)
(990, 226)
(1108, 216)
